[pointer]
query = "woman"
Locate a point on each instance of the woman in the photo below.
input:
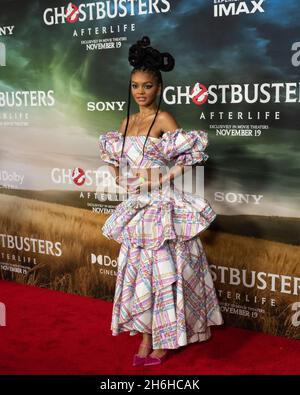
(164, 287)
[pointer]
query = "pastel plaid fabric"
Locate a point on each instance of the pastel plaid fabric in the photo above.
(147, 220)
(168, 293)
(164, 285)
(183, 146)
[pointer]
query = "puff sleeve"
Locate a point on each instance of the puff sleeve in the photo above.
(109, 147)
(185, 147)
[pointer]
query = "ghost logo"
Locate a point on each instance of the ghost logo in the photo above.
(2, 314)
(199, 94)
(296, 54)
(2, 54)
(78, 176)
(72, 14)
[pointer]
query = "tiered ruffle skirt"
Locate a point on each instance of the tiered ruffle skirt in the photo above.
(164, 285)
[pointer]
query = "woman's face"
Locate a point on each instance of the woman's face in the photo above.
(144, 88)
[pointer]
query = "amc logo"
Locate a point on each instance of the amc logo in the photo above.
(2, 314)
(103, 260)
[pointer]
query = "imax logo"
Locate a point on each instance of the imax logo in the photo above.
(235, 8)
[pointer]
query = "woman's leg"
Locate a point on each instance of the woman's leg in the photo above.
(143, 351)
(147, 340)
(159, 352)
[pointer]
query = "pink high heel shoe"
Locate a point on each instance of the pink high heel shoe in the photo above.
(149, 361)
(138, 360)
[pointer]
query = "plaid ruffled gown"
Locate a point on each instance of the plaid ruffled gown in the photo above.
(164, 286)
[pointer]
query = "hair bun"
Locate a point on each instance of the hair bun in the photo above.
(168, 62)
(144, 42)
(141, 54)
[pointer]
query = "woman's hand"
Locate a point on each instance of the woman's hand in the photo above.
(144, 186)
(137, 186)
(121, 181)
(124, 182)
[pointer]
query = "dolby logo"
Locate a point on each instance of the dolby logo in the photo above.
(103, 260)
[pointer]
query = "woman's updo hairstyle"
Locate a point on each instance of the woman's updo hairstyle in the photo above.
(145, 58)
(141, 54)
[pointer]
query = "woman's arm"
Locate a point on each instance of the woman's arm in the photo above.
(115, 170)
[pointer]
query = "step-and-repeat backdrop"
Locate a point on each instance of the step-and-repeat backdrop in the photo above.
(64, 77)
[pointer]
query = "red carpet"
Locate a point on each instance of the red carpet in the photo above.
(49, 332)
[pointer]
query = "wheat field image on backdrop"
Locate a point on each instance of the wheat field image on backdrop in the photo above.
(79, 232)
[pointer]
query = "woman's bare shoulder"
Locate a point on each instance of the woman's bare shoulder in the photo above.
(167, 121)
(124, 121)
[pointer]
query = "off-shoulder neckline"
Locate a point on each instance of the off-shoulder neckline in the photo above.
(143, 135)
